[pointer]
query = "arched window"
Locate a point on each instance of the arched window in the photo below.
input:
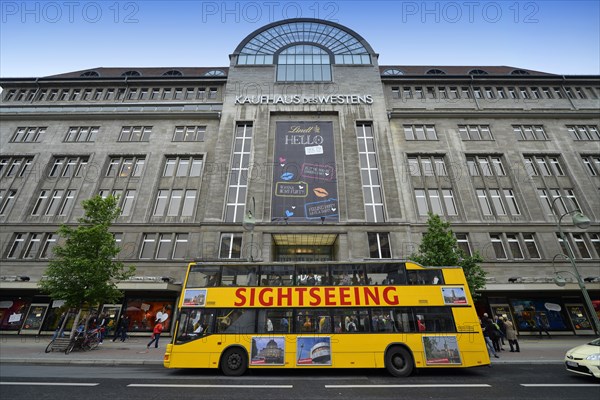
(303, 63)
(392, 72)
(477, 72)
(215, 72)
(346, 46)
(519, 72)
(90, 74)
(172, 72)
(131, 73)
(435, 71)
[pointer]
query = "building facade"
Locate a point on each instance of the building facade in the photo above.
(335, 157)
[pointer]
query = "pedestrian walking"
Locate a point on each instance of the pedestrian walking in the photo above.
(122, 328)
(542, 325)
(489, 334)
(102, 326)
(158, 328)
(511, 335)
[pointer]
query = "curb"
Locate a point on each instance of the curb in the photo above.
(152, 362)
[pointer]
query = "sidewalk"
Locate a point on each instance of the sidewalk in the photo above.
(30, 350)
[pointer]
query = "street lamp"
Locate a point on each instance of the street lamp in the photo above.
(582, 222)
(248, 224)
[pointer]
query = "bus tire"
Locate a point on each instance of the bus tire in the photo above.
(234, 362)
(399, 361)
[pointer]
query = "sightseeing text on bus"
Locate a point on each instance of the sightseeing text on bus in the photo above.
(316, 296)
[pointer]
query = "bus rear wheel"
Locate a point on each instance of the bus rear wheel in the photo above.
(234, 362)
(399, 362)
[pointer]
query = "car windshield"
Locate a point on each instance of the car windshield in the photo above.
(595, 342)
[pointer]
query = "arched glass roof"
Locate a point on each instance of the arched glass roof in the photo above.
(347, 46)
(173, 72)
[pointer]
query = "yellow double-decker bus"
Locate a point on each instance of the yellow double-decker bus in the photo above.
(378, 314)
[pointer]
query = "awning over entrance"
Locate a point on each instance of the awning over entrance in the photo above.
(295, 239)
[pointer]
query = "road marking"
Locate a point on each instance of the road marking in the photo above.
(405, 386)
(560, 384)
(49, 384)
(212, 386)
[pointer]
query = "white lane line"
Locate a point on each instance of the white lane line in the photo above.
(560, 384)
(212, 386)
(48, 384)
(406, 386)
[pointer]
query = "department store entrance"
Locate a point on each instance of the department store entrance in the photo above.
(304, 247)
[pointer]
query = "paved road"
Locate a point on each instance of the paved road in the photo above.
(144, 382)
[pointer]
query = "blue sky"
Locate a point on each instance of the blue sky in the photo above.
(40, 38)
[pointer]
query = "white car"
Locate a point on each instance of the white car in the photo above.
(584, 359)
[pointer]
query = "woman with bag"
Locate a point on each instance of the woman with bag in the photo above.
(158, 328)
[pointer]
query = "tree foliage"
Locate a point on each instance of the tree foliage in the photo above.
(84, 269)
(439, 247)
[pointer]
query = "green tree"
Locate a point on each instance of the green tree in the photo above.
(440, 248)
(84, 271)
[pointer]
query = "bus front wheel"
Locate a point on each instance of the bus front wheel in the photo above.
(234, 362)
(399, 361)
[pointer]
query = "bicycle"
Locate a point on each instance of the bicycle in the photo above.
(84, 341)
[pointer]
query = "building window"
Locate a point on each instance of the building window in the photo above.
(583, 132)
(54, 202)
(475, 132)
(7, 198)
(17, 245)
(28, 134)
(175, 202)
(485, 166)
(379, 245)
(369, 171)
(125, 203)
(595, 240)
(592, 164)
(516, 246)
(230, 245)
(303, 63)
(31, 246)
(545, 165)
(547, 196)
(135, 134)
(420, 132)
(15, 166)
(123, 167)
(182, 166)
(164, 246)
(82, 134)
(148, 246)
(577, 243)
(181, 246)
(462, 240)
(425, 165)
(498, 246)
(68, 167)
(530, 132)
(189, 133)
(531, 245)
(429, 200)
(496, 201)
(238, 176)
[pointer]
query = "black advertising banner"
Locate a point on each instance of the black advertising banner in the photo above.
(304, 176)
